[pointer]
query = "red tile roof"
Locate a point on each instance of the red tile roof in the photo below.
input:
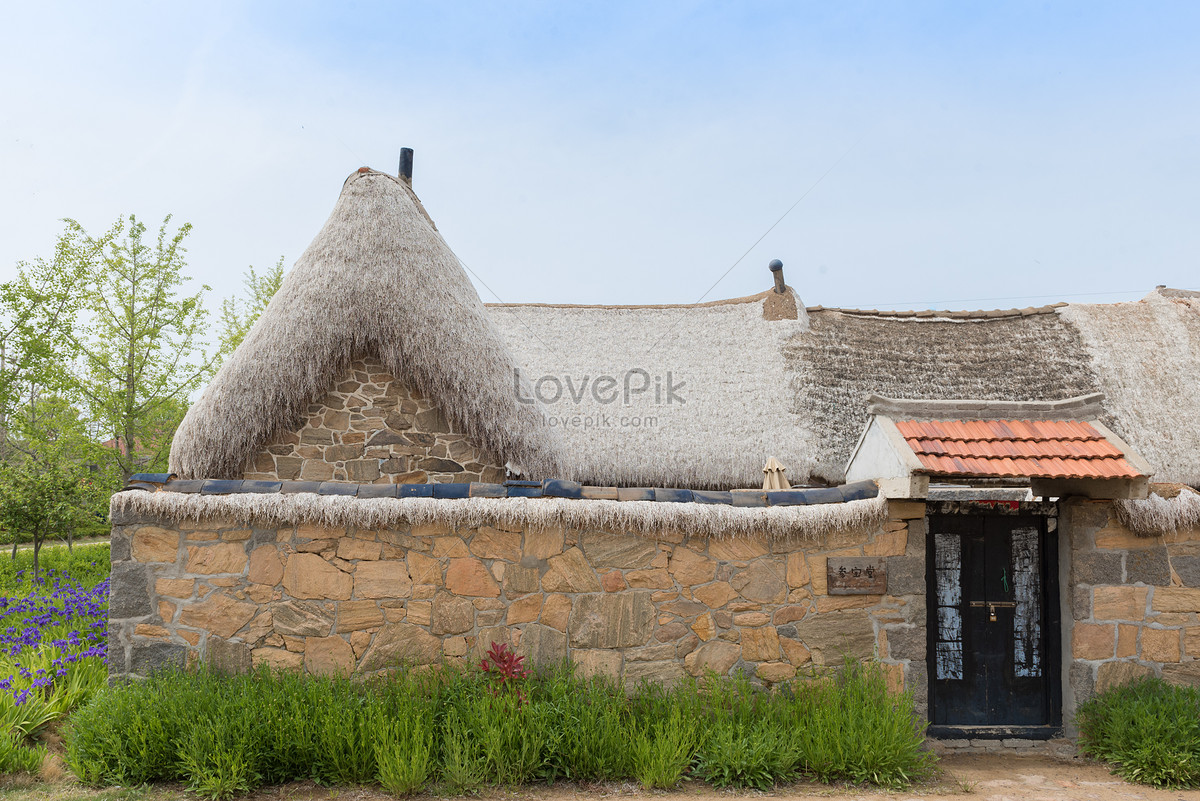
(1007, 448)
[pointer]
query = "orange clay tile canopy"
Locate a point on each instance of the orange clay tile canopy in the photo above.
(1009, 448)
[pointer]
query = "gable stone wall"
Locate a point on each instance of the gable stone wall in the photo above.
(372, 428)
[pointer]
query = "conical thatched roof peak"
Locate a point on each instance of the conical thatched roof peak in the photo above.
(377, 280)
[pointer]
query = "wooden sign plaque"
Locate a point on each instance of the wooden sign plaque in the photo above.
(856, 575)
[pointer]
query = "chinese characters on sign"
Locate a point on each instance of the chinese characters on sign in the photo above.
(856, 575)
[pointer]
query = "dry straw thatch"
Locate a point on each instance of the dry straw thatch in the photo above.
(734, 410)
(1146, 357)
(1161, 514)
(645, 518)
(377, 280)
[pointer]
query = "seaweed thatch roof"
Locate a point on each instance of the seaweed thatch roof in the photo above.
(696, 396)
(378, 279)
(798, 390)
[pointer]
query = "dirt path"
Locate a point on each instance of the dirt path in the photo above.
(965, 777)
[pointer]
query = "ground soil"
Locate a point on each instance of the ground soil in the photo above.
(970, 777)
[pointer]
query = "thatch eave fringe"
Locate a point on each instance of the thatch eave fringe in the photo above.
(1159, 516)
(644, 518)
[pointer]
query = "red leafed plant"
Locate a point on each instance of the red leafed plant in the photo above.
(505, 668)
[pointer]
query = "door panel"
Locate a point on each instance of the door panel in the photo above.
(987, 621)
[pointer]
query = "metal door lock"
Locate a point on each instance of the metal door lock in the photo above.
(991, 606)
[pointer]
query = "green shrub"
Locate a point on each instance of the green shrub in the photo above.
(1148, 730)
(16, 756)
(227, 735)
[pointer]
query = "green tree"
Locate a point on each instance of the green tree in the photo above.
(141, 350)
(46, 486)
(239, 315)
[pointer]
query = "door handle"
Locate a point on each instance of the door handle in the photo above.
(991, 607)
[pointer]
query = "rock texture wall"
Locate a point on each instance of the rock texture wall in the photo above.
(371, 428)
(337, 601)
(1135, 602)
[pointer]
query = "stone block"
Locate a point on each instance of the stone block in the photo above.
(519, 580)
(1118, 538)
(543, 543)
(570, 572)
(224, 557)
(1096, 567)
(906, 575)
(356, 549)
(888, 543)
(760, 644)
(542, 645)
(794, 651)
(1148, 566)
(301, 619)
(451, 615)
(153, 544)
(556, 611)
(265, 566)
(762, 581)
(836, 635)
(690, 568)
(1126, 640)
(1188, 569)
(906, 510)
(704, 627)
(1160, 645)
(652, 579)
(1176, 599)
(1083, 681)
(612, 621)
(718, 656)
(906, 642)
(400, 645)
(738, 548)
(664, 673)
(225, 656)
(1081, 603)
(492, 543)
(715, 595)
(623, 551)
(590, 663)
(218, 614)
(751, 619)
(1119, 603)
(174, 588)
(358, 615)
(524, 610)
(1093, 641)
(613, 581)
(128, 594)
(797, 570)
(149, 657)
(468, 576)
(307, 575)
(1114, 674)
(328, 656)
(1184, 673)
(385, 580)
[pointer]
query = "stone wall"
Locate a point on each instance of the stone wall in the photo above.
(371, 428)
(1134, 602)
(336, 601)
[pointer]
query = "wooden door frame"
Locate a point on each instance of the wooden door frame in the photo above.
(1052, 630)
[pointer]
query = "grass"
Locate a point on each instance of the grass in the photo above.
(1148, 731)
(454, 731)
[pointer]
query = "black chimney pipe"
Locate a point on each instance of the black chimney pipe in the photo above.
(406, 161)
(776, 268)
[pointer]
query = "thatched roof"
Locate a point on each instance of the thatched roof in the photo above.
(733, 408)
(798, 390)
(715, 389)
(377, 280)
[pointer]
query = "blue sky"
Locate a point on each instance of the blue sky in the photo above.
(974, 155)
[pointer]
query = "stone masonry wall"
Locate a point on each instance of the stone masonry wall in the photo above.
(371, 428)
(1135, 602)
(337, 601)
